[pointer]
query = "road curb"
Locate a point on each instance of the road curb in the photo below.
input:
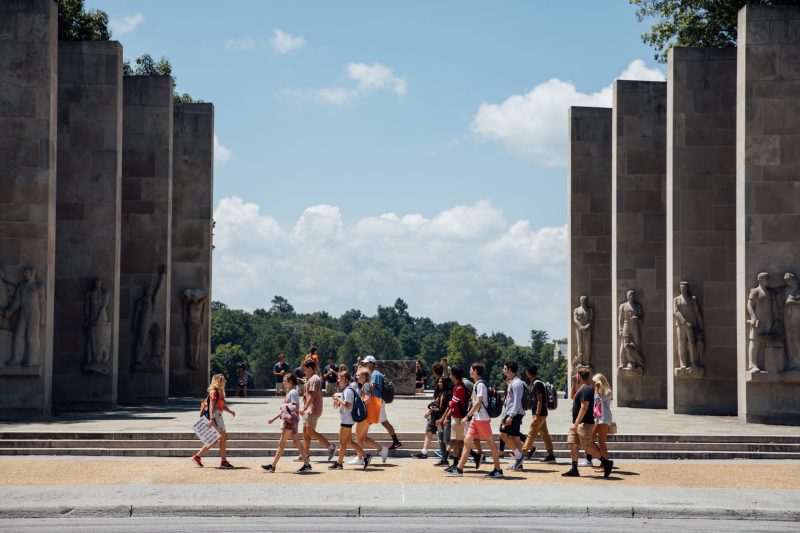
(654, 512)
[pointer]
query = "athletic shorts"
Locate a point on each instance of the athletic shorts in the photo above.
(383, 418)
(512, 429)
(480, 429)
(457, 433)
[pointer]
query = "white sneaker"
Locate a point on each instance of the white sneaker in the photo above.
(584, 462)
(298, 459)
(356, 461)
(384, 454)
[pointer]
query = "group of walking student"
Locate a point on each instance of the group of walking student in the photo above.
(459, 416)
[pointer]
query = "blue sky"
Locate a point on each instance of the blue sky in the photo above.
(370, 150)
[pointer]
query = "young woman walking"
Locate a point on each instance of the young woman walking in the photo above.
(603, 417)
(288, 413)
(344, 402)
(216, 406)
(373, 405)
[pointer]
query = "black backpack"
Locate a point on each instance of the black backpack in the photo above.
(204, 408)
(528, 398)
(494, 403)
(387, 390)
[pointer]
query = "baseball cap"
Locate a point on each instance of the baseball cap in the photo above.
(368, 359)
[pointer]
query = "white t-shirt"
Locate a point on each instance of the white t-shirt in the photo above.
(293, 397)
(480, 394)
(346, 413)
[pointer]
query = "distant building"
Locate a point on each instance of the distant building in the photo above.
(559, 351)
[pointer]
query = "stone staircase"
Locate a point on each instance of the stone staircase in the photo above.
(264, 445)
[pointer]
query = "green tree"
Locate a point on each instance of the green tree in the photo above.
(77, 24)
(226, 359)
(373, 338)
(348, 352)
(281, 307)
(147, 66)
(462, 346)
(348, 320)
(538, 340)
(703, 23)
(433, 348)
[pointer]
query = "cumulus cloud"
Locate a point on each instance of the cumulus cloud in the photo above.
(467, 263)
(365, 79)
(533, 125)
(283, 43)
(221, 153)
(126, 24)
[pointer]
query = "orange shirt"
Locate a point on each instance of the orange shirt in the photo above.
(218, 400)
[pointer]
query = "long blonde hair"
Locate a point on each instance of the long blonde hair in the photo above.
(605, 387)
(216, 384)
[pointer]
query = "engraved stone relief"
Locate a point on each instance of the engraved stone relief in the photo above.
(792, 321)
(689, 326)
(631, 360)
(148, 334)
(7, 292)
(762, 308)
(98, 330)
(194, 320)
(29, 304)
(582, 318)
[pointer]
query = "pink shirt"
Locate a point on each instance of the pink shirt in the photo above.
(314, 389)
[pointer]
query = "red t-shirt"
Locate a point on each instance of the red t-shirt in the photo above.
(458, 403)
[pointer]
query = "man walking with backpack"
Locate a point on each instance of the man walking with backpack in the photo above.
(513, 413)
(378, 382)
(539, 422)
(580, 432)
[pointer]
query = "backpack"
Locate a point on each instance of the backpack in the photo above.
(289, 413)
(494, 403)
(552, 396)
(387, 390)
(528, 398)
(359, 410)
(204, 408)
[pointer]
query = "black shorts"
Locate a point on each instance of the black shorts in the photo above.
(512, 429)
(348, 426)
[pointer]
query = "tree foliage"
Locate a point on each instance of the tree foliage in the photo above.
(392, 333)
(145, 65)
(701, 23)
(77, 24)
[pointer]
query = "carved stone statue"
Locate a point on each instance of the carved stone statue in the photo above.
(583, 317)
(763, 311)
(792, 321)
(98, 330)
(629, 322)
(7, 291)
(30, 304)
(148, 348)
(689, 328)
(194, 319)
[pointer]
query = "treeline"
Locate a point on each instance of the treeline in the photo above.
(257, 338)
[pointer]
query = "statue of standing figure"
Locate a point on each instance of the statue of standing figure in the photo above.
(689, 327)
(629, 322)
(763, 311)
(583, 317)
(98, 330)
(194, 319)
(148, 348)
(30, 304)
(792, 321)
(7, 291)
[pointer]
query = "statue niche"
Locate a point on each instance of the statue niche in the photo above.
(29, 304)
(194, 320)
(689, 326)
(583, 318)
(97, 358)
(148, 350)
(631, 360)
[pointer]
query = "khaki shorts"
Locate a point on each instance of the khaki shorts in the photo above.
(457, 429)
(219, 422)
(330, 388)
(582, 436)
(280, 388)
(310, 422)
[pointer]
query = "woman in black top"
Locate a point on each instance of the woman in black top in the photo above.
(421, 376)
(445, 386)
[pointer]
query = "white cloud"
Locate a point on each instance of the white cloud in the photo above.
(534, 125)
(466, 263)
(241, 43)
(367, 79)
(283, 43)
(221, 153)
(126, 24)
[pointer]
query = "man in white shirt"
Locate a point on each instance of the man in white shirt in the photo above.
(513, 413)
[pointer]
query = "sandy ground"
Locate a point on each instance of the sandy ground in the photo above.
(42, 471)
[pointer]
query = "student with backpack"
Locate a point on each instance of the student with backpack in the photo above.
(480, 427)
(373, 405)
(350, 408)
(213, 407)
(381, 391)
(432, 414)
(538, 396)
(288, 412)
(513, 413)
(456, 411)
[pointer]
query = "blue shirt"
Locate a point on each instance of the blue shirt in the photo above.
(377, 380)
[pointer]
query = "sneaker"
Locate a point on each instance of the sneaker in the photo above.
(331, 451)
(367, 460)
(268, 468)
(226, 465)
(303, 469)
(449, 469)
(454, 472)
(572, 472)
(420, 455)
(299, 459)
(518, 464)
(356, 461)
(529, 455)
(395, 445)
(197, 461)
(495, 474)
(336, 466)
(438, 453)
(584, 462)
(549, 459)
(477, 458)
(607, 467)
(384, 454)
(442, 462)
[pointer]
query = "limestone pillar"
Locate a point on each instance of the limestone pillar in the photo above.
(589, 199)
(768, 212)
(28, 96)
(192, 212)
(88, 224)
(144, 321)
(701, 230)
(638, 243)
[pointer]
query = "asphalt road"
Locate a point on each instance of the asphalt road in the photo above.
(385, 523)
